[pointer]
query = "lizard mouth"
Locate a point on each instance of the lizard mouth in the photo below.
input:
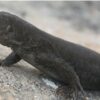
(15, 42)
(4, 40)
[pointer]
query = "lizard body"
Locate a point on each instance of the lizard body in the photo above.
(66, 62)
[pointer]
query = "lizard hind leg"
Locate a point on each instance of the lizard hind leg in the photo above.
(61, 71)
(72, 89)
(83, 93)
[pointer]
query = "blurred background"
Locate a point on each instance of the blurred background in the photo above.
(75, 21)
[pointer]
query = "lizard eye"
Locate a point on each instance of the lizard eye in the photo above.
(9, 28)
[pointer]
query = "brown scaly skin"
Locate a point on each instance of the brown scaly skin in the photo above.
(66, 62)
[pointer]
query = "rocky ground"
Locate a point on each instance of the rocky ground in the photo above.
(74, 21)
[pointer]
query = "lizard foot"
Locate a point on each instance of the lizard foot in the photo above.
(67, 93)
(70, 94)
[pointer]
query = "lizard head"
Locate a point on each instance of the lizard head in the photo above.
(6, 29)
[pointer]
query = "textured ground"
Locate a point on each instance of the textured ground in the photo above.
(24, 82)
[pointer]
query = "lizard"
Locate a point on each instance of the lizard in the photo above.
(68, 63)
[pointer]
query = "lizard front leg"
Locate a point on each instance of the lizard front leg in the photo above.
(11, 59)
